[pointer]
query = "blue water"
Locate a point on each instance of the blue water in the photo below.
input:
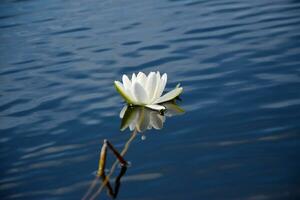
(239, 65)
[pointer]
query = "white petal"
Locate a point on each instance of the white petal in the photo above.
(157, 88)
(161, 86)
(130, 94)
(133, 78)
(139, 93)
(158, 76)
(151, 85)
(126, 82)
(156, 107)
(169, 96)
(128, 87)
(120, 88)
(142, 78)
(122, 112)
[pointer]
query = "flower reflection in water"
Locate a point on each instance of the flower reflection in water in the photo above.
(138, 119)
(142, 118)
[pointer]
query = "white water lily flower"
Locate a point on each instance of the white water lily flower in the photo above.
(145, 90)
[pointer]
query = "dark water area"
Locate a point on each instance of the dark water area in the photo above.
(239, 65)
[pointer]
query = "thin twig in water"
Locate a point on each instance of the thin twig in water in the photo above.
(112, 169)
(102, 159)
(100, 170)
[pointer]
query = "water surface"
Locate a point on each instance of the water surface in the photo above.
(238, 62)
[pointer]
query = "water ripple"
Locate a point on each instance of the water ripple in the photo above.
(238, 62)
